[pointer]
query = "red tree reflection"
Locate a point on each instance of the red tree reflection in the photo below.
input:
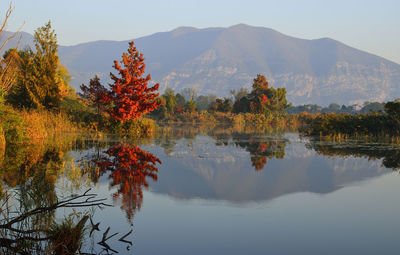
(129, 166)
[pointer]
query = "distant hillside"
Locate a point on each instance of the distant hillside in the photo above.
(217, 60)
(26, 40)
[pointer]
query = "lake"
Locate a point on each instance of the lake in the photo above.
(215, 190)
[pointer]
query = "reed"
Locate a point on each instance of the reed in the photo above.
(30, 126)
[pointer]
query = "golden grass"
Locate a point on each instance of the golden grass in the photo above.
(31, 126)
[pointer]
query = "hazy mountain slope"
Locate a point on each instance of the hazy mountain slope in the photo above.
(163, 52)
(26, 40)
(216, 60)
(313, 71)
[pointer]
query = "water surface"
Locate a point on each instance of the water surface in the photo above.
(220, 191)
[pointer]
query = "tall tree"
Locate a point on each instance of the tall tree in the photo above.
(129, 96)
(46, 91)
(170, 100)
(42, 80)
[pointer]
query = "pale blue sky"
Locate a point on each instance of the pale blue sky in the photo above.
(370, 25)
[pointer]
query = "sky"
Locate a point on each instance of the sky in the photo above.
(369, 25)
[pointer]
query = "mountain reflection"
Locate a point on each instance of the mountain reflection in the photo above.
(235, 164)
(129, 166)
(218, 164)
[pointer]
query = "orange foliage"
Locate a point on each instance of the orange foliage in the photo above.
(129, 96)
(258, 162)
(130, 166)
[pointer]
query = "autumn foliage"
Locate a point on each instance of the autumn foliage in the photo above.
(130, 97)
(129, 166)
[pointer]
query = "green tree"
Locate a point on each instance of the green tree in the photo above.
(221, 105)
(333, 107)
(46, 87)
(204, 102)
(169, 100)
(180, 100)
(262, 99)
(393, 110)
(42, 77)
(190, 94)
(372, 107)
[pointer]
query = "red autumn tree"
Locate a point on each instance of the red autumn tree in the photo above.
(129, 96)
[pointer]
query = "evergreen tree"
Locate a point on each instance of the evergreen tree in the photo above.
(45, 88)
(42, 80)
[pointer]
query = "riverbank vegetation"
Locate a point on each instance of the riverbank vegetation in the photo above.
(262, 105)
(337, 126)
(36, 100)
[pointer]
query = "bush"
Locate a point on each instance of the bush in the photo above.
(12, 125)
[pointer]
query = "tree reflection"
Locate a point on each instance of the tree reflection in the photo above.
(129, 166)
(261, 148)
(20, 232)
(29, 199)
(390, 155)
(251, 138)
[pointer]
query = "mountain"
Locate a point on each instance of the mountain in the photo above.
(26, 40)
(217, 60)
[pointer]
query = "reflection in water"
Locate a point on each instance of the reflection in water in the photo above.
(219, 168)
(260, 148)
(30, 178)
(208, 163)
(390, 155)
(129, 166)
(20, 232)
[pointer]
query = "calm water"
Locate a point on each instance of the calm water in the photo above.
(220, 191)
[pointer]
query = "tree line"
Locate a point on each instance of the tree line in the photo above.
(367, 107)
(262, 99)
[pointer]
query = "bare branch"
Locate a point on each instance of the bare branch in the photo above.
(3, 26)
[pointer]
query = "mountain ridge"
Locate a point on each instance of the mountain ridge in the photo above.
(217, 60)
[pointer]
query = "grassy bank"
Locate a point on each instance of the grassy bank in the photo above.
(32, 126)
(22, 126)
